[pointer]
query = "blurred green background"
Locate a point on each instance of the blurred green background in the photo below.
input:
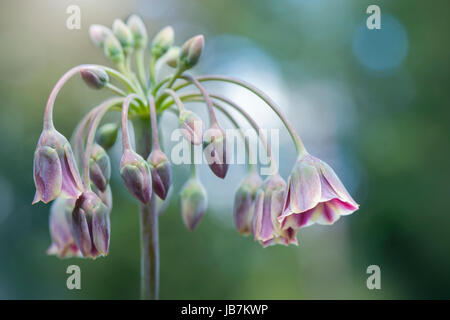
(373, 104)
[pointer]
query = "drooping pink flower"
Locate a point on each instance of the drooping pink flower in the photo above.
(269, 205)
(314, 195)
(55, 169)
(63, 245)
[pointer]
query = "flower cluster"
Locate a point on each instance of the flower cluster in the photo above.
(75, 175)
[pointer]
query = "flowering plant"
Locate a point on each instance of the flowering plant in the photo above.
(75, 175)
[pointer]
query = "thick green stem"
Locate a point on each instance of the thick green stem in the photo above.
(149, 250)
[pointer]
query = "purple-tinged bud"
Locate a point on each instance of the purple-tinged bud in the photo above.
(215, 146)
(98, 34)
(192, 126)
(193, 203)
(161, 173)
(137, 28)
(268, 207)
(113, 49)
(190, 52)
(107, 135)
(91, 225)
(162, 42)
(55, 170)
(99, 167)
(136, 175)
(244, 203)
(124, 35)
(171, 56)
(63, 245)
(94, 77)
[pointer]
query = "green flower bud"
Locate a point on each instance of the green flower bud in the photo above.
(190, 52)
(193, 203)
(162, 42)
(124, 35)
(171, 56)
(113, 49)
(94, 77)
(137, 28)
(107, 135)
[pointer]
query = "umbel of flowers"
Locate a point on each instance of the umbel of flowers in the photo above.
(75, 175)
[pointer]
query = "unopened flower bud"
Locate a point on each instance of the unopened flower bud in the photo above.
(94, 77)
(113, 49)
(137, 28)
(136, 175)
(91, 225)
(171, 56)
(55, 169)
(99, 167)
(161, 173)
(192, 126)
(63, 245)
(215, 150)
(124, 35)
(244, 203)
(193, 203)
(162, 42)
(107, 135)
(98, 34)
(190, 52)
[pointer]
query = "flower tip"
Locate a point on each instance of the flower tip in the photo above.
(191, 51)
(162, 42)
(138, 30)
(98, 34)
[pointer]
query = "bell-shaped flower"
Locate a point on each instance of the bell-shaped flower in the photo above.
(99, 167)
(136, 175)
(63, 245)
(244, 202)
(215, 147)
(314, 195)
(193, 203)
(161, 173)
(269, 204)
(191, 126)
(55, 169)
(91, 225)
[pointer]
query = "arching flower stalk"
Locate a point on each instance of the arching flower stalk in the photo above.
(76, 175)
